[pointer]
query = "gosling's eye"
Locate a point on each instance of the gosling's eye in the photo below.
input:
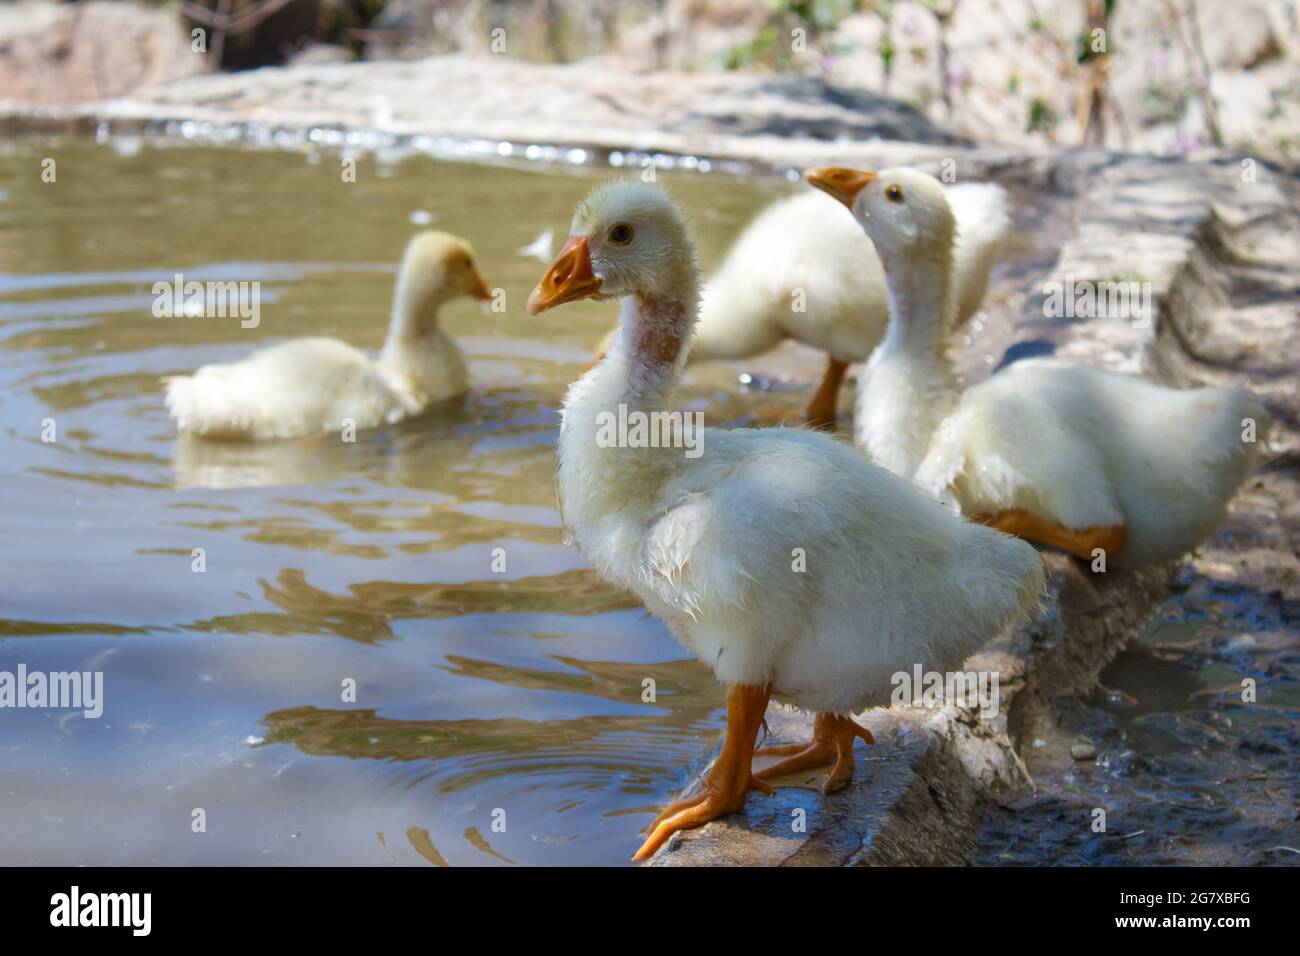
(621, 234)
(894, 193)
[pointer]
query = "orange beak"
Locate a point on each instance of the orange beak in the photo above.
(839, 181)
(567, 280)
(481, 290)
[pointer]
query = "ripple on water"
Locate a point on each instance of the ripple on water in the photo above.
(233, 593)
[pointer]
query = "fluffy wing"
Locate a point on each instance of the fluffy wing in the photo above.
(946, 459)
(763, 501)
(666, 554)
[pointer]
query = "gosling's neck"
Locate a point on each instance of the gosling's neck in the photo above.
(649, 350)
(653, 342)
(909, 385)
(418, 349)
(921, 303)
(638, 372)
(415, 314)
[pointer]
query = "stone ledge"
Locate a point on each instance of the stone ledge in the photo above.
(916, 795)
(1220, 274)
(471, 105)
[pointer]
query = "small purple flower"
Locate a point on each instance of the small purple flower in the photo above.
(1183, 145)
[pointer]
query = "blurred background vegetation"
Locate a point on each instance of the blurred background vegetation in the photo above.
(1162, 76)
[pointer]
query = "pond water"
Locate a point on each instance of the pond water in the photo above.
(1188, 769)
(499, 715)
(510, 699)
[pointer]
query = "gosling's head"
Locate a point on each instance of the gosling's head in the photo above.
(439, 266)
(436, 268)
(626, 238)
(903, 211)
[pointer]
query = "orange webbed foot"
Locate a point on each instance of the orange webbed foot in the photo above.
(730, 779)
(832, 743)
(1083, 543)
(696, 811)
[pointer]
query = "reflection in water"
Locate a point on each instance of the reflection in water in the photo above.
(361, 733)
(10, 628)
(396, 455)
(419, 838)
(1188, 769)
(688, 681)
(423, 561)
(534, 778)
(367, 613)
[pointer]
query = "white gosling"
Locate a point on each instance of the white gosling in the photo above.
(792, 567)
(1076, 458)
(312, 385)
(800, 271)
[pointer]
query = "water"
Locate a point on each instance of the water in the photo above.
(1188, 769)
(498, 717)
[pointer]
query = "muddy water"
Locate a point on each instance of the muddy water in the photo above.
(1192, 746)
(498, 716)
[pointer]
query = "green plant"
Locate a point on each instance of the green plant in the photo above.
(1041, 116)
